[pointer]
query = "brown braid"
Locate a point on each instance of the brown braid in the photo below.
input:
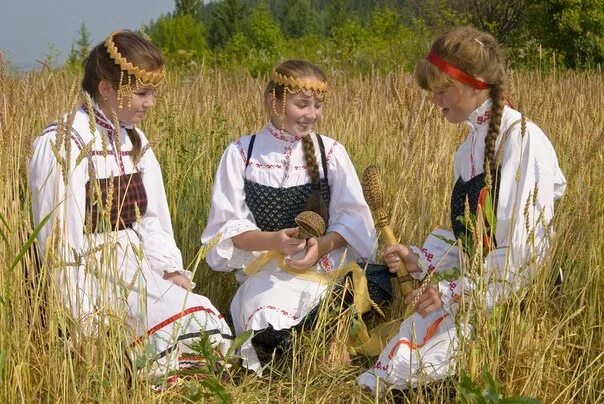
(494, 126)
(136, 144)
(311, 160)
(315, 202)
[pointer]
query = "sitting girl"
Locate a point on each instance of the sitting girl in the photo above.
(263, 182)
(109, 236)
(506, 180)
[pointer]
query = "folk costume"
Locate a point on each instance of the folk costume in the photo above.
(524, 187)
(262, 183)
(109, 240)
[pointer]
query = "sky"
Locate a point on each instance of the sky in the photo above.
(29, 27)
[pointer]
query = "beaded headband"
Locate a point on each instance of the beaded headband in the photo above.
(308, 84)
(455, 72)
(127, 69)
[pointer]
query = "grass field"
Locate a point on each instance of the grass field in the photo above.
(549, 345)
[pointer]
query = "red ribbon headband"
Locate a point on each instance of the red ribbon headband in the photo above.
(454, 72)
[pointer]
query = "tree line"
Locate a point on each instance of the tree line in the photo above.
(369, 35)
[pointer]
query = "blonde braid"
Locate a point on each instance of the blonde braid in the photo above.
(494, 126)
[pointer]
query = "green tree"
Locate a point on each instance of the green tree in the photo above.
(350, 37)
(80, 48)
(180, 36)
(227, 19)
(190, 7)
(337, 14)
(258, 46)
(385, 22)
(575, 28)
(504, 19)
(299, 19)
(263, 32)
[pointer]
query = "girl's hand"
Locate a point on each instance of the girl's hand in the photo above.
(429, 301)
(392, 257)
(310, 258)
(178, 280)
(288, 242)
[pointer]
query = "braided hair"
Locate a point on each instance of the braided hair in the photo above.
(300, 69)
(478, 54)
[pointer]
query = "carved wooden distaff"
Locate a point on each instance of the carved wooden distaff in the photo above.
(374, 195)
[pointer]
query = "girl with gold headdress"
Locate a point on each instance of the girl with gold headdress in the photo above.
(109, 238)
(506, 181)
(263, 181)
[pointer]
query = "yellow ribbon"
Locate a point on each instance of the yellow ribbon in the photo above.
(370, 343)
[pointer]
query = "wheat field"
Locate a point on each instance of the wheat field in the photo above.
(549, 344)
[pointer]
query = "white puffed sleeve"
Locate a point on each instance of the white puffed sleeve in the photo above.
(229, 214)
(531, 181)
(65, 202)
(155, 226)
(440, 254)
(349, 214)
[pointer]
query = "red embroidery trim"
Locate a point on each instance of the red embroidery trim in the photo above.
(429, 334)
(484, 118)
(241, 151)
(428, 255)
(191, 358)
(327, 157)
(102, 122)
(325, 263)
(172, 319)
(281, 136)
(379, 365)
(287, 161)
(266, 166)
(49, 128)
(273, 308)
(332, 149)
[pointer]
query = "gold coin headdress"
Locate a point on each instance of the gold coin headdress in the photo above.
(294, 85)
(128, 70)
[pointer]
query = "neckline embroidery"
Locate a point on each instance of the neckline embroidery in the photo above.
(283, 135)
(112, 136)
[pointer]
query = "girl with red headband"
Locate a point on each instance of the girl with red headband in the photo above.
(506, 180)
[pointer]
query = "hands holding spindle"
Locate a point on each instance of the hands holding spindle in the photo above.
(399, 258)
(374, 195)
(423, 299)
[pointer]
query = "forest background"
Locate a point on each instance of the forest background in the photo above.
(364, 35)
